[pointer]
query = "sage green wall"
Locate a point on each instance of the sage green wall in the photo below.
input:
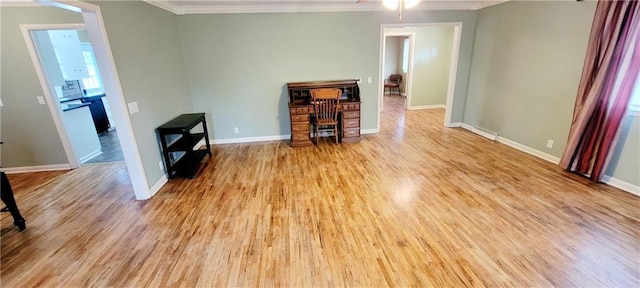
(238, 64)
(526, 66)
(146, 48)
(29, 134)
(625, 161)
(392, 56)
(431, 64)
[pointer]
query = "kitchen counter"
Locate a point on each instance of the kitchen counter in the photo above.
(70, 106)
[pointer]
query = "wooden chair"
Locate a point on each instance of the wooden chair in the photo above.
(393, 83)
(325, 105)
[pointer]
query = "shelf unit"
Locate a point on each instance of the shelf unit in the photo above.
(178, 142)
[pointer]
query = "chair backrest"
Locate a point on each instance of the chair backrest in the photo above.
(397, 78)
(325, 103)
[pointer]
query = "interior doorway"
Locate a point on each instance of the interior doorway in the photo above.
(424, 53)
(73, 79)
(94, 25)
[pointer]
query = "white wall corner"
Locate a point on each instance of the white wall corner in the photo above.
(166, 5)
(626, 186)
(455, 124)
(156, 187)
(41, 168)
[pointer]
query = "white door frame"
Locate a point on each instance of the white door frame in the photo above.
(94, 25)
(412, 42)
(453, 71)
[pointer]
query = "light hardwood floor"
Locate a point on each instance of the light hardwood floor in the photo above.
(415, 205)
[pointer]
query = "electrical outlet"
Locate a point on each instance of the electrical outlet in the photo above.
(549, 143)
(161, 166)
(236, 130)
(133, 107)
(41, 100)
(369, 80)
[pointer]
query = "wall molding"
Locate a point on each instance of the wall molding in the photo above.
(40, 168)
(90, 156)
(626, 186)
(369, 131)
(156, 187)
(243, 6)
(422, 107)
(513, 144)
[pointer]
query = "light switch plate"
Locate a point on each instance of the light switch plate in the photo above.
(133, 107)
(369, 80)
(41, 100)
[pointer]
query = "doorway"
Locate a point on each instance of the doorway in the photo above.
(94, 25)
(73, 78)
(424, 50)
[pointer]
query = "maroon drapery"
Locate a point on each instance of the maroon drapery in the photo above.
(610, 70)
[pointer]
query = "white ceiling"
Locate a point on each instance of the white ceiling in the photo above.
(265, 6)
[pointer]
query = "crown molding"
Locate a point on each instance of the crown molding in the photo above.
(20, 3)
(485, 4)
(283, 7)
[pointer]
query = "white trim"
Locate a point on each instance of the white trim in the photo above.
(453, 70)
(52, 100)
(626, 186)
(20, 3)
(453, 73)
(40, 168)
(440, 106)
(513, 144)
(456, 124)
(369, 131)
(239, 6)
(485, 4)
(247, 139)
(90, 156)
(529, 150)
(94, 24)
(156, 187)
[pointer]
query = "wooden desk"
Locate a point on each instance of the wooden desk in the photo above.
(301, 109)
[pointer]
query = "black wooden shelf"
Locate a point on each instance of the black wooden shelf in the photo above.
(185, 165)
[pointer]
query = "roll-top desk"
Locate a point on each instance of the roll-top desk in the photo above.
(301, 108)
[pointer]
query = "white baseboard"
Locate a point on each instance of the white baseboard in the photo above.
(369, 131)
(156, 187)
(454, 125)
(247, 139)
(41, 168)
(426, 107)
(90, 156)
(626, 186)
(514, 144)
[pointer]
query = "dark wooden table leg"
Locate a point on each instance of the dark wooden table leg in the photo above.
(6, 194)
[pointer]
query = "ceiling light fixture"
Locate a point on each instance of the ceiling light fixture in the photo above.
(400, 5)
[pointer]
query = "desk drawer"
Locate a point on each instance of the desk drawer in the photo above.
(350, 114)
(300, 136)
(352, 123)
(300, 127)
(351, 107)
(300, 118)
(351, 132)
(299, 110)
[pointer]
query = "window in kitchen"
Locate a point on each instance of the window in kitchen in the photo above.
(93, 84)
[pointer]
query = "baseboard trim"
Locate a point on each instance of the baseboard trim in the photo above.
(247, 139)
(156, 187)
(455, 125)
(41, 168)
(90, 156)
(513, 144)
(369, 131)
(626, 186)
(426, 107)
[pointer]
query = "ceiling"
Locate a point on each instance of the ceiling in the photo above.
(265, 6)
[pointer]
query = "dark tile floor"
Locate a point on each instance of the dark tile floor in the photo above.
(111, 151)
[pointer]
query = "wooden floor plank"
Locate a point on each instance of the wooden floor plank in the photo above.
(415, 205)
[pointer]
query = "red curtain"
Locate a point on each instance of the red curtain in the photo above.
(610, 70)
